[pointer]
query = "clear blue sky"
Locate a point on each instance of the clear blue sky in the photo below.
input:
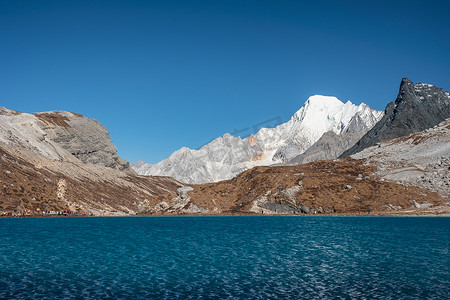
(165, 74)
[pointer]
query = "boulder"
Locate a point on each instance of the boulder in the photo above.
(182, 192)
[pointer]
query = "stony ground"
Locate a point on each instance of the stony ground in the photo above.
(420, 159)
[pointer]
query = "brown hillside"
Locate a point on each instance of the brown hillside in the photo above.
(341, 186)
(29, 186)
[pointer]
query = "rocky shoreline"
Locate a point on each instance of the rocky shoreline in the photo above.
(407, 213)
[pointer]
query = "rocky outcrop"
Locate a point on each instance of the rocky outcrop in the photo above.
(84, 138)
(180, 204)
(416, 108)
(60, 135)
(182, 192)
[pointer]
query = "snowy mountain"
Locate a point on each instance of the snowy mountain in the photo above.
(227, 156)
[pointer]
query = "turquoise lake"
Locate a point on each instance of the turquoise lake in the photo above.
(225, 257)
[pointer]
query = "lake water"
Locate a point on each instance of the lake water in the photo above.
(225, 257)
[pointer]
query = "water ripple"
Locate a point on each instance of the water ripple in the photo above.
(225, 258)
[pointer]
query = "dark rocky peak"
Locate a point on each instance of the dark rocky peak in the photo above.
(421, 92)
(406, 86)
(416, 108)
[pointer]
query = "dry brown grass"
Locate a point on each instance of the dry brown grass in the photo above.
(324, 186)
(53, 118)
(24, 186)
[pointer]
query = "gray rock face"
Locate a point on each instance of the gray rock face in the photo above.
(329, 146)
(84, 138)
(62, 136)
(332, 145)
(305, 209)
(424, 204)
(278, 208)
(182, 192)
(417, 107)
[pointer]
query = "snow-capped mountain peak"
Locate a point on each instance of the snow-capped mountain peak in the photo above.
(227, 156)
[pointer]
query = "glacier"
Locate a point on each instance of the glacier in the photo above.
(229, 155)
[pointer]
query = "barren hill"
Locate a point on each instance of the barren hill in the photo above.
(339, 186)
(64, 161)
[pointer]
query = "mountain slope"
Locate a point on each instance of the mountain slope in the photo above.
(421, 158)
(63, 161)
(338, 186)
(227, 156)
(408, 175)
(416, 108)
(329, 146)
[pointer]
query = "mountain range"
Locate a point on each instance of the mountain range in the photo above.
(324, 128)
(227, 156)
(399, 163)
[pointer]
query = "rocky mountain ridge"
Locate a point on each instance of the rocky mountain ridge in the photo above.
(416, 108)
